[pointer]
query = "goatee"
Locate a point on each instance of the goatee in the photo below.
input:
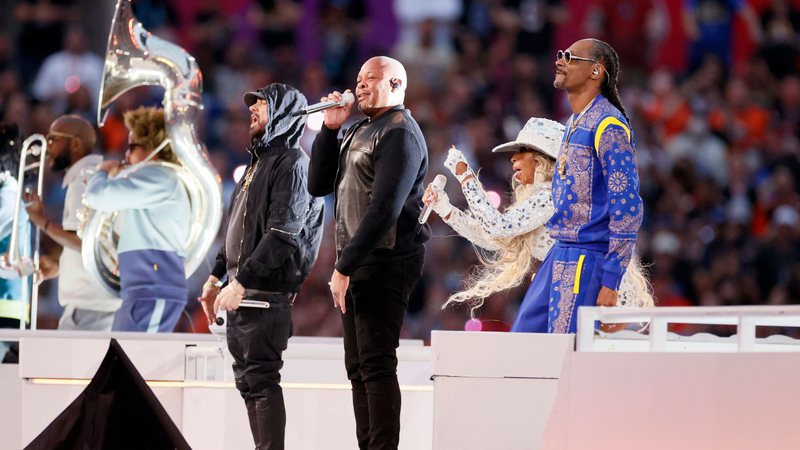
(60, 163)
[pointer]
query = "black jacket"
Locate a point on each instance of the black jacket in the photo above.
(376, 174)
(282, 222)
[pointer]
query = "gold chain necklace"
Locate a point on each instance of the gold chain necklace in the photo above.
(248, 178)
(572, 125)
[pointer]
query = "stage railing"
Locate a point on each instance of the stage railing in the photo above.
(657, 338)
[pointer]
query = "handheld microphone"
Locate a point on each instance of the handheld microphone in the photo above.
(217, 327)
(347, 98)
(438, 183)
(222, 315)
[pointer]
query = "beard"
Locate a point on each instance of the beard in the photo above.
(60, 163)
(559, 79)
(257, 131)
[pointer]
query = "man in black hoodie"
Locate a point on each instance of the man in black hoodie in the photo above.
(272, 241)
(376, 174)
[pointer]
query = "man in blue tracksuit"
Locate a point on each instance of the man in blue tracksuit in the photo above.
(595, 193)
(155, 207)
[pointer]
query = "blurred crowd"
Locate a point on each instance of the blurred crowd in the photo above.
(712, 88)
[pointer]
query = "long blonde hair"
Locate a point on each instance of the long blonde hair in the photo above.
(507, 267)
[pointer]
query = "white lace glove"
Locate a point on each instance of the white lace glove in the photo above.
(441, 205)
(455, 156)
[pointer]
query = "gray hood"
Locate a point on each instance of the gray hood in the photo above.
(283, 100)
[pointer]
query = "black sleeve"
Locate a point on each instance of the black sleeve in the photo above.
(285, 218)
(324, 162)
(397, 159)
(221, 264)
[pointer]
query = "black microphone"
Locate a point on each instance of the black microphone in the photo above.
(347, 98)
(438, 184)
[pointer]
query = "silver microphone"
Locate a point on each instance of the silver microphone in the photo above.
(221, 315)
(347, 98)
(438, 183)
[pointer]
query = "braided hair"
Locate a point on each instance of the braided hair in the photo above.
(608, 56)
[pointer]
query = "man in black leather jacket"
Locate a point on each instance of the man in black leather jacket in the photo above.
(272, 241)
(376, 174)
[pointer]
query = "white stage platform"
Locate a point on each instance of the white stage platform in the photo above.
(622, 391)
(490, 390)
(192, 378)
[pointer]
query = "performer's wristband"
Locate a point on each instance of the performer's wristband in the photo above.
(466, 176)
(444, 211)
(217, 284)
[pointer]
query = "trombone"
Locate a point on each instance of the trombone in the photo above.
(34, 148)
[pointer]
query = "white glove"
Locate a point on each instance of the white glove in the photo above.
(442, 205)
(455, 156)
(25, 268)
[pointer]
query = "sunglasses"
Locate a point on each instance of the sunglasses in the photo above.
(133, 146)
(53, 135)
(568, 57)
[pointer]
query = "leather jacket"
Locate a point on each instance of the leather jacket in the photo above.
(376, 174)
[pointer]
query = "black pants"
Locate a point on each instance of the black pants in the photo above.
(376, 300)
(257, 338)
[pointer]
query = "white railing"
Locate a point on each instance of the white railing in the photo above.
(745, 318)
(205, 363)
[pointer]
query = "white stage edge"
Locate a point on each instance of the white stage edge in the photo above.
(196, 388)
(490, 390)
(495, 390)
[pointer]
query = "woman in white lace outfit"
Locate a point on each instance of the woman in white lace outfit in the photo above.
(513, 239)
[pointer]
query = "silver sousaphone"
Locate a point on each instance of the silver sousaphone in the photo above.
(134, 57)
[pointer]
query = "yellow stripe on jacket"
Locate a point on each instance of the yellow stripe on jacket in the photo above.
(605, 123)
(577, 286)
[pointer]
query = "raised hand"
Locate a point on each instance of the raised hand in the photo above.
(458, 165)
(335, 117)
(35, 209)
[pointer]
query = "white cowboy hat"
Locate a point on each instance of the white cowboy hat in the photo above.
(543, 135)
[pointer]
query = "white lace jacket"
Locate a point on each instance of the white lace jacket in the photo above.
(485, 226)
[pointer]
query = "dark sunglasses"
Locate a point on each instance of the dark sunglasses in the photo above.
(132, 146)
(568, 57)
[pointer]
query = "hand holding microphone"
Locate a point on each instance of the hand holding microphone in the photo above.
(336, 108)
(440, 202)
(346, 99)
(435, 199)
